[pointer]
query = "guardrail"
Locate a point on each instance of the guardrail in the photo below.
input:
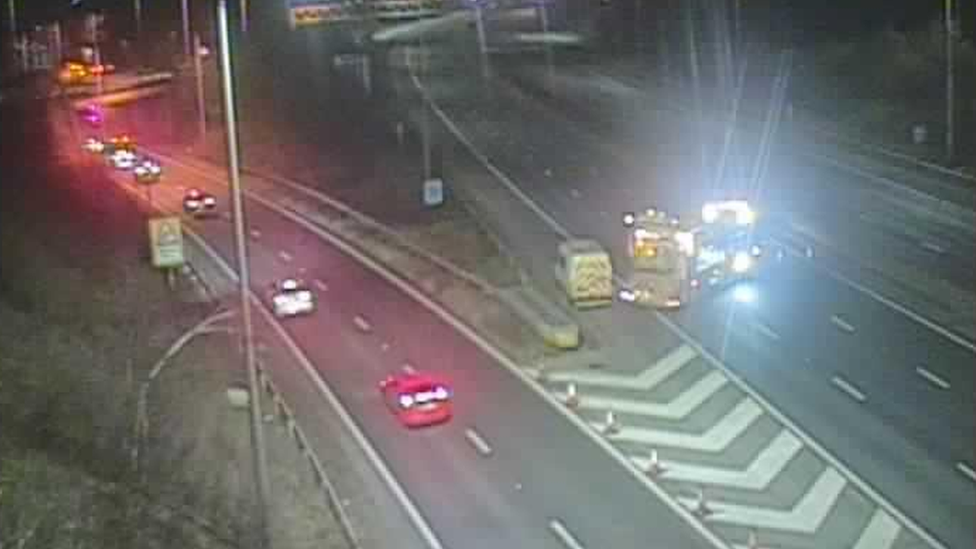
(283, 412)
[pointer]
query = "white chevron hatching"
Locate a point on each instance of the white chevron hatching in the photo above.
(715, 439)
(678, 408)
(646, 380)
(881, 532)
(763, 469)
(805, 517)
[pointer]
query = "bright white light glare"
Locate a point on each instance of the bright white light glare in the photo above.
(755, 250)
(686, 242)
(709, 213)
(210, 201)
(289, 284)
(744, 293)
(406, 401)
(745, 215)
(627, 295)
(629, 219)
(304, 296)
(440, 393)
(741, 262)
(192, 203)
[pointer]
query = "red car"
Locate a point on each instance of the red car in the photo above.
(417, 400)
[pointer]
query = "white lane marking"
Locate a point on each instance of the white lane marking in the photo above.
(935, 327)
(716, 439)
(965, 469)
(932, 378)
(765, 330)
(848, 388)
(255, 233)
(564, 535)
(413, 513)
(678, 408)
(688, 517)
(757, 476)
(285, 256)
(881, 532)
(361, 323)
(805, 517)
(933, 247)
(645, 381)
(842, 324)
(321, 285)
(479, 443)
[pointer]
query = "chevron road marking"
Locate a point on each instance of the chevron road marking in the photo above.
(805, 517)
(715, 439)
(881, 532)
(678, 408)
(760, 473)
(645, 381)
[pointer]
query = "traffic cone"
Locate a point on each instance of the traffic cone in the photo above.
(701, 505)
(654, 465)
(611, 427)
(572, 397)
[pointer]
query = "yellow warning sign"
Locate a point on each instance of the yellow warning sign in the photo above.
(166, 241)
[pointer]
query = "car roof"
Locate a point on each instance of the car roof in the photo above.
(417, 382)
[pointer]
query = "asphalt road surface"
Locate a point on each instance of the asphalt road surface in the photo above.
(541, 468)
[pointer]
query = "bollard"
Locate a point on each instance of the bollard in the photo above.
(611, 427)
(572, 397)
(654, 465)
(701, 505)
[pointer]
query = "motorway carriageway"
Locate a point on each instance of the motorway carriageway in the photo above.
(889, 397)
(542, 467)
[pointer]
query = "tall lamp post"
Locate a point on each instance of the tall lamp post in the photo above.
(950, 33)
(185, 13)
(257, 434)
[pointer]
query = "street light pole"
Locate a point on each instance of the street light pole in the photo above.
(137, 13)
(12, 18)
(201, 101)
(950, 138)
(185, 10)
(257, 434)
(245, 9)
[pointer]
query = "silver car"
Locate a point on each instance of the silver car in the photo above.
(289, 297)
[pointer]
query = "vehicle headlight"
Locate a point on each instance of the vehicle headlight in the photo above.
(742, 262)
(192, 203)
(406, 401)
(210, 201)
(304, 296)
(440, 393)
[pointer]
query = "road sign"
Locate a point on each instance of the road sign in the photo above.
(166, 241)
(303, 13)
(433, 192)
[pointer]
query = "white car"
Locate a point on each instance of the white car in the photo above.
(147, 171)
(94, 145)
(123, 159)
(289, 298)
